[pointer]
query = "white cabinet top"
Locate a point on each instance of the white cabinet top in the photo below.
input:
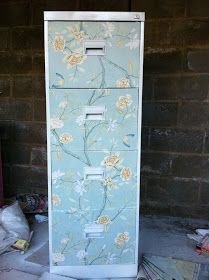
(95, 16)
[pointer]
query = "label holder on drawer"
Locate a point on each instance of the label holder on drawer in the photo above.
(93, 231)
(94, 47)
(94, 173)
(94, 113)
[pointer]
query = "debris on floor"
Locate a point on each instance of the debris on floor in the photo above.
(32, 203)
(41, 218)
(167, 268)
(201, 239)
(14, 229)
(22, 244)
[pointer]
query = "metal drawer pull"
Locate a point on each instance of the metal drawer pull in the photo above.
(94, 47)
(94, 231)
(94, 113)
(94, 173)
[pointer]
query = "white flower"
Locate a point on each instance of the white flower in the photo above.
(80, 120)
(58, 257)
(63, 104)
(56, 175)
(65, 240)
(112, 125)
(109, 28)
(109, 183)
(133, 44)
(111, 258)
(56, 123)
(80, 188)
(81, 254)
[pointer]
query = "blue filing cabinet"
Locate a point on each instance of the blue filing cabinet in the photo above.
(94, 86)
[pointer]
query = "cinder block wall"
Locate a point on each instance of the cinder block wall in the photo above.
(175, 139)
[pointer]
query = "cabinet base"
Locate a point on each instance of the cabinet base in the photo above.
(126, 272)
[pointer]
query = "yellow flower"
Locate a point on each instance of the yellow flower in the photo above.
(125, 173)
(122, 238)
(59, 43)
(65, 138)
(124, 102)
(104, 220)
(74, 59)
(79, 36)
(112, 160)
(56, 200)
(123, 83)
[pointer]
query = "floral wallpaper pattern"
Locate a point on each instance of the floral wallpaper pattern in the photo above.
(116, 246)
(67, 110)
(69, 65)
(77, 143)
(93, 124)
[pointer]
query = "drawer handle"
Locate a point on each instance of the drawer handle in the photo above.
(94, 173)
(94, 47)
(94, 231)
(94, 113)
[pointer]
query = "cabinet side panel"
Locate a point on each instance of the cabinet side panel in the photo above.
(141, 54)
(48, 133)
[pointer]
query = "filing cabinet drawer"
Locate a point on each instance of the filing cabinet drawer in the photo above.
(94, 240)
(94, 119)
(93, 55)
(82, 182)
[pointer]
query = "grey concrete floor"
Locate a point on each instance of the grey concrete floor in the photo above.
(162, 236)
(167, 236)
